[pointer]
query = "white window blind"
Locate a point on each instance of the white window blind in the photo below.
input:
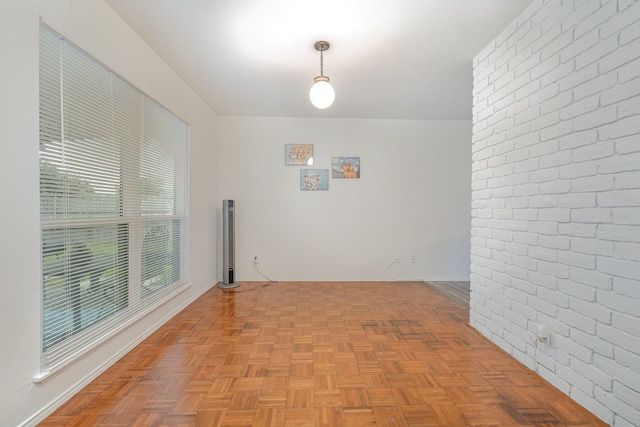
(113, 201)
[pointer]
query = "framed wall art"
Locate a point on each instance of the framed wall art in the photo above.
(314, 179)
(298, 154)
(345, 167)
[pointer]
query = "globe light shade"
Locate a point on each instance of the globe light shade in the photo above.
(322, 93)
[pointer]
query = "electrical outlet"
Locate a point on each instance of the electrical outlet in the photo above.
(413, 258)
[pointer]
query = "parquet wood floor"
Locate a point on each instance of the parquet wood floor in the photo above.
(320, 354)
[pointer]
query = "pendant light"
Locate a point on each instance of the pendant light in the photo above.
(322, 93)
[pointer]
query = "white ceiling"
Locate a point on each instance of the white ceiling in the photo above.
(389, 59)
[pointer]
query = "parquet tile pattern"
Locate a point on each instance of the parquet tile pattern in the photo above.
(320, 354)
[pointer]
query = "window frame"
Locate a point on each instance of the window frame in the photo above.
(165, 137)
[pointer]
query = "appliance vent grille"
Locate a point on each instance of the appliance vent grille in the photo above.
(228, 244)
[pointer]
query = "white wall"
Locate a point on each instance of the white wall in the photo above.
(412, 198)
(556, 198)
(96, 28)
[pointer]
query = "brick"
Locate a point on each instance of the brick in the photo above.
(597, 52)
(550, 228)
(496, 182)
(628, 395)
(556, 298)
(615, 370)
(542, 306)
(593, 310)
(556, 103)
(502, 146)
(619, 163)
(577, 200)
(541, 95)
(626, 216)
(577, 259)
(620, 233)
(525, 214)
(619, 338)
(626, 323)
(545, 176)
(554, 214)
(620, 21)
(556, 45)
(619, 198)
(555, 187)
(629, 34)
(577, 290)
(553, 269)
(526, 140)
(592, 246)
(619, 92)
(580, 45)
(543, 148)
(525, 165)
(526, 287)
(621, 410)
(629, 71)
(519, 130)
(579, 230)
(627, 251)
(597, 345)
(517, 155)
(556, 159)
(592, 183)
(619, 57)
(630, 107)
(496, 160)
(553, 77)
(544, 67)
(593, 279)
(577, 381)
(595, 119)
(596, 85)
(628, 179)
(578, 139)
(620, 268)
(510, 106)
(591, 215)
(582, 11)
(573, 79)
(543, 253)
(546, 37)
(595, 18)
(527, 91)
(517, 202)
(543, 201)
(581, 323)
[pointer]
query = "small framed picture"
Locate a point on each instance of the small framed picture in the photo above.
(314, 179)
(298, 154)
(345, 167)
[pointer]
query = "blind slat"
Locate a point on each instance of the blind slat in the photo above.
(110, 157)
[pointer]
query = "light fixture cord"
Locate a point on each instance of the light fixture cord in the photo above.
(321, 62)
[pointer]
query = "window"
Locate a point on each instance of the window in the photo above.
(113, 201)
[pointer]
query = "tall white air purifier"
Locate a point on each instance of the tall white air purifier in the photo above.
(228, 245)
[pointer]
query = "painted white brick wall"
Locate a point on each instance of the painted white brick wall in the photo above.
(556, 198)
